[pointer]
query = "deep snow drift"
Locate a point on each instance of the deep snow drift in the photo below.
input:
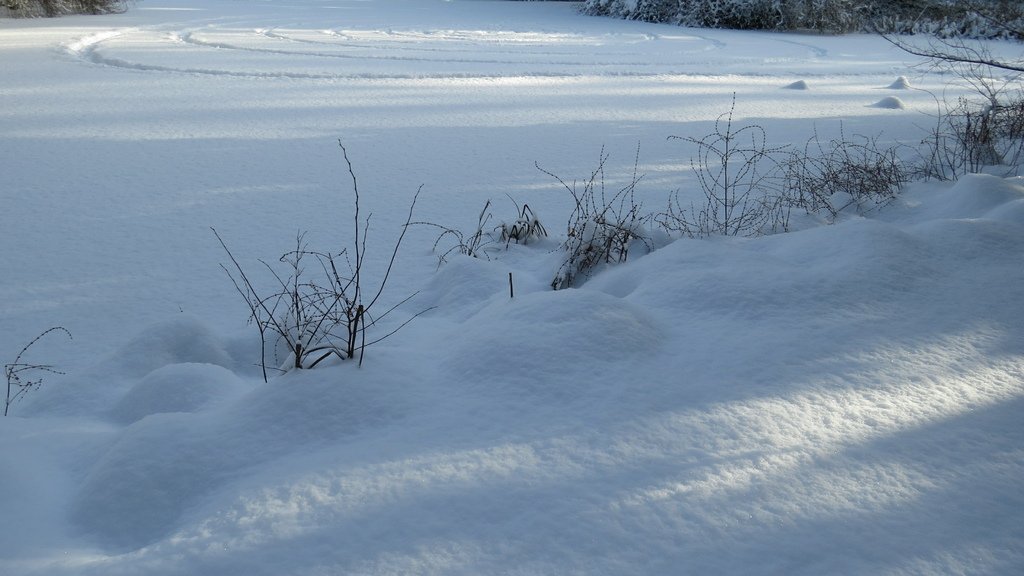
(840, 399)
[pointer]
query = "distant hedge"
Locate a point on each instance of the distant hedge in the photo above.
(946, 18)
(39, 8)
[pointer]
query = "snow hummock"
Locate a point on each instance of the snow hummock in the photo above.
(900, 83)
(798, 85)
(890, 103)
(176, 388)
(838, 399)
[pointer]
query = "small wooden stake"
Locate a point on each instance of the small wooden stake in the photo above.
(511, 291)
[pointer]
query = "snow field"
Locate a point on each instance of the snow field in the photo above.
(840, 399)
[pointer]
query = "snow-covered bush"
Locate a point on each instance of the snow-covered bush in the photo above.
(972, 18)
(602, 228)
(948, 18)
(526, 228)
(822, 15)
(740, 14)
(37, 8)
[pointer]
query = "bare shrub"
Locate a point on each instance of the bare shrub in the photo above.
(961, 142)
(972, 134)
(739, 176)
(526, 228)
(1009, 128)
(23, 377)
(602, 227)
(987, 128)
(316, 315)
(472, 244)
(751, 188)
(844, 172)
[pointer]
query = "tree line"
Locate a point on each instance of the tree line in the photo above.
(943, 18)
(50, 8)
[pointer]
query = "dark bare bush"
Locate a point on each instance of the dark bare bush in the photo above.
(751, 188)
(961, 142)
(472, 244)
(22, 376)
(740, 178)
(844, 172)
(526, 228)
(323, 312)
(1009, 128)
(603, 227)
(970, 135)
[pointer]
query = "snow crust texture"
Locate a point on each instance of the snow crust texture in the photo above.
(841, 399)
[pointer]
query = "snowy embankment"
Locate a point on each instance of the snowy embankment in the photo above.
(840, 399)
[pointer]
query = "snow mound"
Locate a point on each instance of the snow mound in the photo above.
(590, 412)
(725, 281)
(464, 285)
(165, 464)
(180, 340)
(134, 493)
(982, 196)
(177, 388)
(1009, 212)
(798, 85)
(973, 196)
(900, 83)
(197, 373)
(538, 335)
(889, 103)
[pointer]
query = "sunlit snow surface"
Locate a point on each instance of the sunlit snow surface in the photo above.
(842, 399)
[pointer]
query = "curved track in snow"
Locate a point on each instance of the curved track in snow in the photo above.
(267, 49)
